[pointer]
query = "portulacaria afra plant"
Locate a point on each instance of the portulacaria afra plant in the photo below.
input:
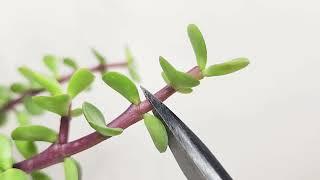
(23, 100)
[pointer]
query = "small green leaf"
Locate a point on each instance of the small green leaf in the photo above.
(132, 67)
(71, 169)
(122, 85)
(13, 174)
(51, 84)
(176, 78)
(185, 90)
(198, 45)
(79, 81)
(71, 63)
(76, 112)
(18, 88)
(96, 120)
(157, 132)
(23, 118)
(226, 67)
(26, 148)
(38, 175)
(5, 153)
(4, 95)
(100, 58)
(34, 133)
(52, 63)
(3, 118)
(32, 107)
(56, 104)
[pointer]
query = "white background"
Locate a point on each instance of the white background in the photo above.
(261, 123)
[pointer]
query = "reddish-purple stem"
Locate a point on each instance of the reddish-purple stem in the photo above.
(57, 152)
(12, 103)
(64, 128)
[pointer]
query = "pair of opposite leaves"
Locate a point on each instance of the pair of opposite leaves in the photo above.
(127, 88)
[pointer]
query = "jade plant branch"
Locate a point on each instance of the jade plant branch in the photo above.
(12, 103)
(57, 152)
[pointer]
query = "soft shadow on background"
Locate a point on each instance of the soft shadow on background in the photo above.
(261, 122)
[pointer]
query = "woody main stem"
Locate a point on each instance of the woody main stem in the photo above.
(57, 152)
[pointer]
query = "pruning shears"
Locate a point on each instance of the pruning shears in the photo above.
(194, 158)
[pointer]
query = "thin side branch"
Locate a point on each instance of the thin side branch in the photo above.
(12, 103)
(57, 152)
(64, 128)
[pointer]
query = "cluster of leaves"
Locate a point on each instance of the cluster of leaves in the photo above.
(59, 102)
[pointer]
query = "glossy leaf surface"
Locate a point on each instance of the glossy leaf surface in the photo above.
(122, 85)
(176, 78)
(79, 81)
(76, 112)
(226, 67)
(38, 175)
(32, 107)
(26, 148)
(13, 174)
(198, 45)
(18, 88)
(34, 133)
(96, 120)
(71, 63)
(71, 169)
(5, 153)
(157, 132)
(57, 104)
(46, 82)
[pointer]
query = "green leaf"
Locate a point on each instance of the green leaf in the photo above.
(56, 104)
(185, 90)
(5, 153)
(76, 112)
(71, 169)
(31, 107)
(5, 95)
(157, 132)
(23, 118)
(3, 118)
(226, 67)
(13, 174)
(132, 67)
(198, 45)
(38, 175)
(18, 88)
(79, 81)
(96, 120)
(52, 63)
(51, 84)
(34, 133)
(122, 85)
(99, 57)
(71, 63)
(176, 78)
(26, 148)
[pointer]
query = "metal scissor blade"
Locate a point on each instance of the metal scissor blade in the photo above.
(194, 158)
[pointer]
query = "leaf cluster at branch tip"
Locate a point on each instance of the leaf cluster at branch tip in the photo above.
(180, 81)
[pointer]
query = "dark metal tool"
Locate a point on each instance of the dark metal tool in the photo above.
(194, 158)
